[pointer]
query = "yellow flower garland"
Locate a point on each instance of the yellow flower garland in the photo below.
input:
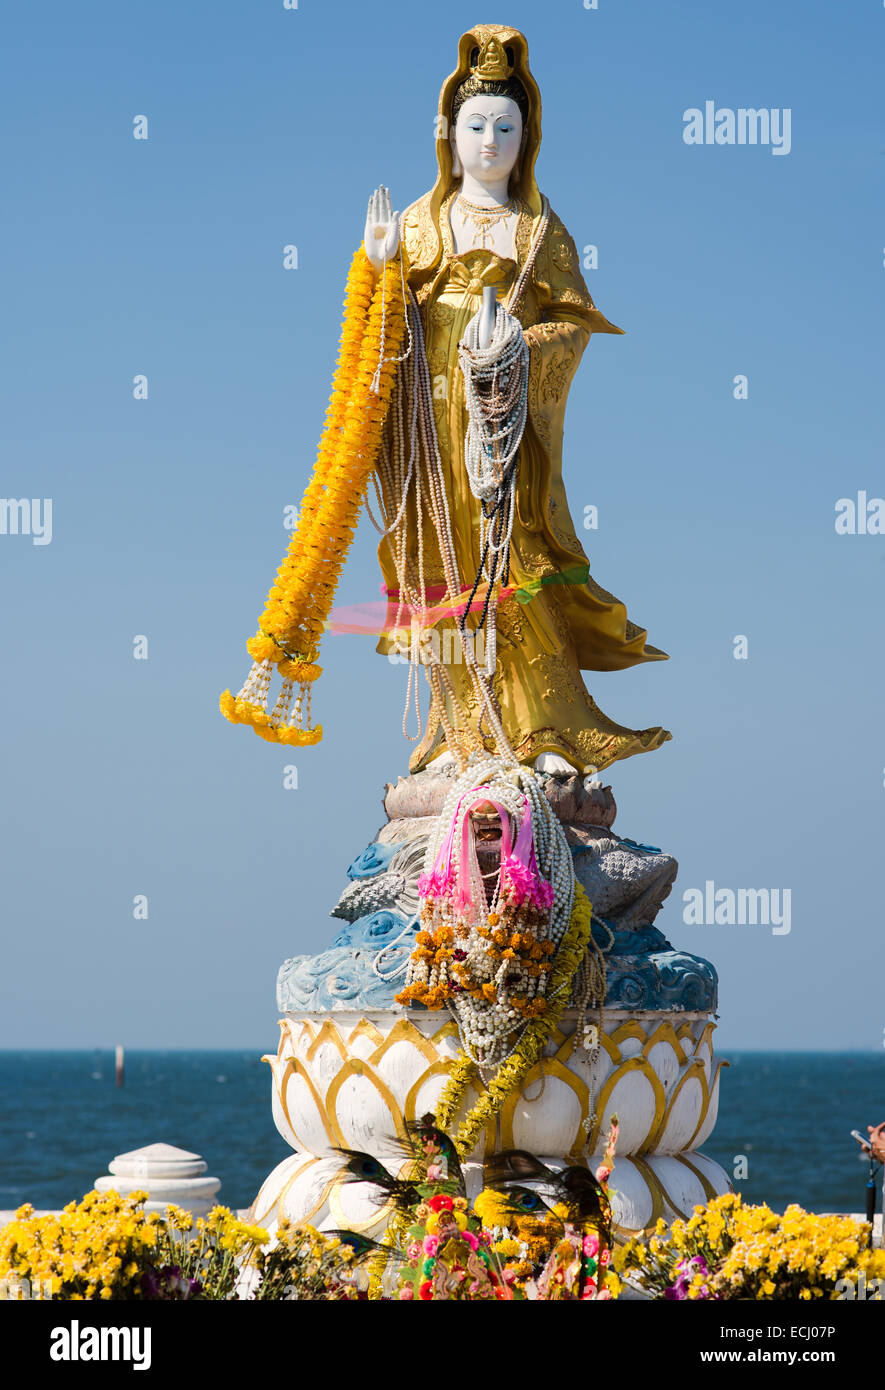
(298, 604)
(511, 1073)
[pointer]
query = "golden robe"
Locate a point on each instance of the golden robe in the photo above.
(569, 622)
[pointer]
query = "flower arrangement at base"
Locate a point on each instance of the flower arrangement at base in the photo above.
(204, 1257)
(559, 1248)
(101, 1247)
(449, 1255)
(106, 1246)
(510, 1244)
(434, 1247)
(727, 1250)
(306, 1264)
(300, 599)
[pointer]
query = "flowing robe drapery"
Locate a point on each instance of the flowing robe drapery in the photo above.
(556, 620)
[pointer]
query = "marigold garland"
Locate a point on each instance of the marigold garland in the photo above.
(530, 1047)
(298, 604)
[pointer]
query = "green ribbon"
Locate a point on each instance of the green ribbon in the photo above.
(577, 574)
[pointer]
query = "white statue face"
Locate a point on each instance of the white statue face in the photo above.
(487, 137)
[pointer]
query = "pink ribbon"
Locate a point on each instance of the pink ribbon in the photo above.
(519, 865)
(438, 882)
(521, 868)
(461, 899)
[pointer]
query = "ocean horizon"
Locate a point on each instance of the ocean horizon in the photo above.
(784, 1121)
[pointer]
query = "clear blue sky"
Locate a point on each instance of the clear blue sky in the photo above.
(268, 127)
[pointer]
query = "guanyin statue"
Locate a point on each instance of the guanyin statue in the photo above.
(465, 321)
(497, 906)
(485, 236)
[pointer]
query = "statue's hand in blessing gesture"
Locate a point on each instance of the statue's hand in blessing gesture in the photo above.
(381, 238)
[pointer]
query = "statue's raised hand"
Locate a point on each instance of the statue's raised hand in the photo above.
(381, 237)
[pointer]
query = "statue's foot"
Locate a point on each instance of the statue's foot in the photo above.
(555, 765)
